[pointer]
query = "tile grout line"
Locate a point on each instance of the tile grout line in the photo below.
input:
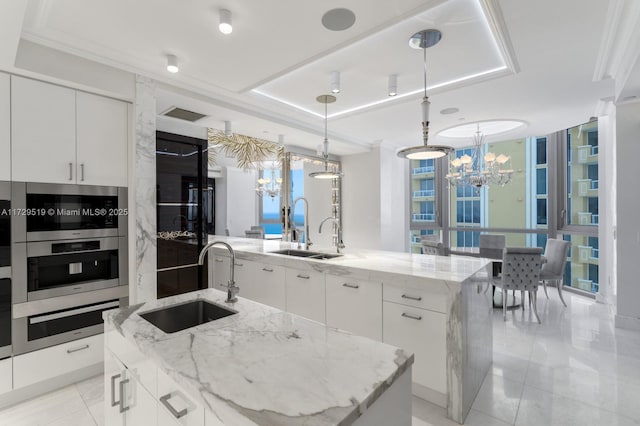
(75, 385)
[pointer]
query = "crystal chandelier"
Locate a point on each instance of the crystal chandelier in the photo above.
(478, 170)
(269, 185)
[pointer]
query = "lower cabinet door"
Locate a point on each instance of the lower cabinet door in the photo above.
(140, 407)
(422, 332)
(175, 407)
(355, 306)
(265, 284)
(6, 375)
(306, 294)
(114, 373)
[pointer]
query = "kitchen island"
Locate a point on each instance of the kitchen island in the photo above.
(259, 366)
(437, 307)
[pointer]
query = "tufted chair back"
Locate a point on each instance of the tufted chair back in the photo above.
(432, 247)
(521, 268)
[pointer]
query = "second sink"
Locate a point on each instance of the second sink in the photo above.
(185, 315)
(305, 253)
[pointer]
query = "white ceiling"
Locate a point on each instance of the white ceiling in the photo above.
(533, 61)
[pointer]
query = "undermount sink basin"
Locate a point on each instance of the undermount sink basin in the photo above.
(306, 253)
(186, 315)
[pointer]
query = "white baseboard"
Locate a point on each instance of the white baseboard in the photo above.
(19, 395)
(630, 323)
(429, 394)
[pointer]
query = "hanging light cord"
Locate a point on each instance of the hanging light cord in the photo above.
(424, 51)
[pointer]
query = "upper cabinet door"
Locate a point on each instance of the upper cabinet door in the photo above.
(43, 132)
(102, 141)
(5, 127)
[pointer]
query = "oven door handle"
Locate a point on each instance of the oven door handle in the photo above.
(72, 312)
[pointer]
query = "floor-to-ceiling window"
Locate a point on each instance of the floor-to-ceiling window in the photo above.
(553, 194)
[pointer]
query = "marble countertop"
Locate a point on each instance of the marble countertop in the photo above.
(263, 366)
(366, 264)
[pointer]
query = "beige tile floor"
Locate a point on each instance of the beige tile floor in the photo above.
(574, 369)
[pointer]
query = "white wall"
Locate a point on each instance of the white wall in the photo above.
(628, 221)
(394, 218)
(241, 206)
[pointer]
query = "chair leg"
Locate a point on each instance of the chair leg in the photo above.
(560, 283)
(505, 293)
(522, 299)
(544, 284)
(534, 296)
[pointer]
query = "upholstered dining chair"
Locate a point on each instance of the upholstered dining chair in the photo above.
(432, 247)
(491, 245)
(555, 253)
(254, 233)
(520, 272)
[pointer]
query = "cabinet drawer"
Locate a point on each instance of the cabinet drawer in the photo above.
(6, 375)
(264, 283)
(355, 306)
(415, 297)
(425, 334)
(139, 366)
(46, 363)
(306, 294)
(175, 407)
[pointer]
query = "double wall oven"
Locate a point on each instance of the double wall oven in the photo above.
(69, 261)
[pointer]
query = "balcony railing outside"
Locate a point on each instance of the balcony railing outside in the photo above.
(594, 184)
(594, 253)
(424, 193)
(421, 217)
(594, 219)
(422, 170)
(594, 150)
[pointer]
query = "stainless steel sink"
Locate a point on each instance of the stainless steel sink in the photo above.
(186, 315)
(306, 253)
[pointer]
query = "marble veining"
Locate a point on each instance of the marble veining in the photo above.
(264, 366)
(145, 189)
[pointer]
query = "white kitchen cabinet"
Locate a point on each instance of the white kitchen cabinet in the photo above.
(355, 306)
(220, 266)
(6, 375)
(126, 401)
(101, 155)
(306, 295)
(263, 283)
(60, 135)
(175, 407)
(5, 127)
(36, 366)
(43, 132)
(424, 333)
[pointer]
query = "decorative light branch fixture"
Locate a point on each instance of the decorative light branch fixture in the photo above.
(423, 40)
(477, 170)
(326, 173)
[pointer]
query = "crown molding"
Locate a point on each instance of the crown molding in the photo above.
(493, 15)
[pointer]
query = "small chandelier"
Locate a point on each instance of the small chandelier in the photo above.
(270, 186)
(478, 170)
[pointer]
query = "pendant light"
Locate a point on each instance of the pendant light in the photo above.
(326, 173)
(423, 40)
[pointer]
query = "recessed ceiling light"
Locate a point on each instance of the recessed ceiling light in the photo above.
(172, 64)
(225, 26)
(446, 111)
(393, 85)
(335, 82)
(338, 19)
(228, 132)
(492, 127)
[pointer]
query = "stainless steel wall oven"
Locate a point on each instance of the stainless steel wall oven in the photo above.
(5, 269)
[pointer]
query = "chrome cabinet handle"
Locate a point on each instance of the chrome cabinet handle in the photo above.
(82, 172)
(177, 414)
(413, 317)
(122, 385)
(416, 298)
(81, 348)
(267, 269)
(113, 390)
(70, 171)
(239, 264)
(219, 260)
(304, 277)
(350, 285)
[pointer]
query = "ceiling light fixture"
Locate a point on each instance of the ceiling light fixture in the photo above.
(225, 26)
(423, 40)
(393, 85)
(227, 129)
(326, 173)
(480, 170)
(172, 64)
(335, 82)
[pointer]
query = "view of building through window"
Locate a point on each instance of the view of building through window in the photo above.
(521, 206)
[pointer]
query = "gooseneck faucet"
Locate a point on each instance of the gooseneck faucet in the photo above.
(338, 241)
(232, 290)
(307, 238)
